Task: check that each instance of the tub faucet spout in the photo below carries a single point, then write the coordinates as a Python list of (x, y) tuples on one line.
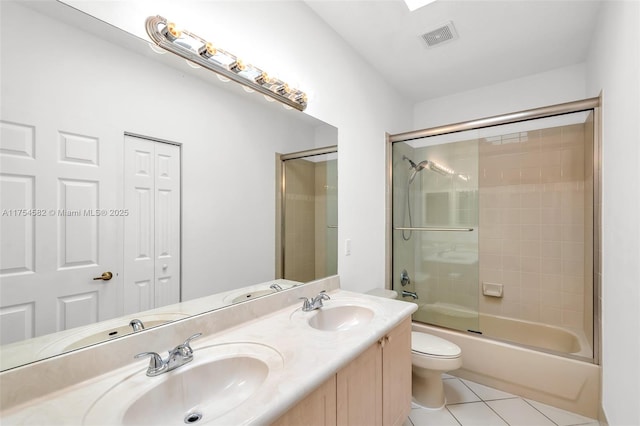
[(412, 294)]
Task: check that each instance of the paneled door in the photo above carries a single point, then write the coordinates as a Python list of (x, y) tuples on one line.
[(152, 227), (61, 224)]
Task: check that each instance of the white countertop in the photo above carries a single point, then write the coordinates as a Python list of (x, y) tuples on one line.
[(304, 358)]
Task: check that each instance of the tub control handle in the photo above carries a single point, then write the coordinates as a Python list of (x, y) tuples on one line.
[(404, 278)]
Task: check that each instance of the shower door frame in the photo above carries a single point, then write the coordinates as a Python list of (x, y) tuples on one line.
[(589, 104)]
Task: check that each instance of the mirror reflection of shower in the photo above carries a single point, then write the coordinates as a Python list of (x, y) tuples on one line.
[(415, 169)]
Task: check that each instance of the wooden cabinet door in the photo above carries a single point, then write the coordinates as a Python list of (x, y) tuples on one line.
[(373, 390), (359, 390), (317, 409), (396, 374)]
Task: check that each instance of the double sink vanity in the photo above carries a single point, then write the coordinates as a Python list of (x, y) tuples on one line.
[(335, 358)]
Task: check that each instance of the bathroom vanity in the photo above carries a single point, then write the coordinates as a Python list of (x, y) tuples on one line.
[(373, 389), (265, 361)]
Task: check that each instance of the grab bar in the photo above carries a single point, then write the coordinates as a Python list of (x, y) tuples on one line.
[(433, 228)]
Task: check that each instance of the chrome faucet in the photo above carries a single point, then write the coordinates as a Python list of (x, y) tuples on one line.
[(315, 303), (178, 356), (276, 287), (137, 325), (413, 294)]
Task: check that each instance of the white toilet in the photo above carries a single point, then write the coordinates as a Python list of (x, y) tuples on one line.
[(430, 357)]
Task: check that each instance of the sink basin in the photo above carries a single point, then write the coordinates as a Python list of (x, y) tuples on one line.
[(251, 295), (340, 318), (259, 290), (109, 334), (102, 332), (218, 380), (207, 391)]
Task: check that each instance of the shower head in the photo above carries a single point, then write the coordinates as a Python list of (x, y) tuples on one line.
[(416, 167), (422, 165), (404, 157)]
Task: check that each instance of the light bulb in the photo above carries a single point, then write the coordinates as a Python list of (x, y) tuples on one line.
[(207, 50), (263, 78), (298, 96), (237, 66), (171, 32), (282, 89)]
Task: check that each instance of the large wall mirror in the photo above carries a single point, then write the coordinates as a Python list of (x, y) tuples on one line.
[(133, 185)]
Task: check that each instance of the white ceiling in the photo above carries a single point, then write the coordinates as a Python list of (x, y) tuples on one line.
[(498, 40)]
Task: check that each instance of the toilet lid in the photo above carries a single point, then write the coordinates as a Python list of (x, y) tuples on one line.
[(434, 346)]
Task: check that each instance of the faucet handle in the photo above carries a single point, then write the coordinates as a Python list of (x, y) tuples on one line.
[(323, 295), (185, 348), (306, 305), (155, 362), (195, 336), (317, 301)]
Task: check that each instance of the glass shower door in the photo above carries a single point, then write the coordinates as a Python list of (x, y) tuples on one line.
[(309, 221), (435, 230)]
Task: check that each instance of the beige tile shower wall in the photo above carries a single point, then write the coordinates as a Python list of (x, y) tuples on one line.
[(299, 237), (532, 224)]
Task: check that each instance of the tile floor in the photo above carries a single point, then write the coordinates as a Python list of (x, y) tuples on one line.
[(473, 404)]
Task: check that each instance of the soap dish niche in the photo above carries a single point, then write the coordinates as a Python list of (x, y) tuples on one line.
[(492, 289)]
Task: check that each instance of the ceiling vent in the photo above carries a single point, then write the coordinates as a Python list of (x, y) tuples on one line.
[(440, 35)]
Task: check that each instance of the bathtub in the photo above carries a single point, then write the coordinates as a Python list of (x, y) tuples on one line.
[(559, 381), (534, 335)]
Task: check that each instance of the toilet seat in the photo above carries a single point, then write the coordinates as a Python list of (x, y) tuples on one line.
[(433, 346)]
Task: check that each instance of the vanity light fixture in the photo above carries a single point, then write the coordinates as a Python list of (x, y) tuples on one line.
[(228, 67)]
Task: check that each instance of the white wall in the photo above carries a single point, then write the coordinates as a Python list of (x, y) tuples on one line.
[(614, 69), (553, 87), (288, 40)]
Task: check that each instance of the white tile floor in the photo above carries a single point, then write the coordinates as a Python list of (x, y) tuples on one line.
[(473, 404)]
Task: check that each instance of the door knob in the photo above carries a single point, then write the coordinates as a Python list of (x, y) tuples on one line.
[(106, 276)]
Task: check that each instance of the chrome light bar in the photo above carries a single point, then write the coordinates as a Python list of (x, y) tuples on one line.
[(201, 52)]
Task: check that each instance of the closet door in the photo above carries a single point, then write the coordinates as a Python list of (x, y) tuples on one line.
[(152, 227)]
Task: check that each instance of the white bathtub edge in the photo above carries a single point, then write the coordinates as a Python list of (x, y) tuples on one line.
[(557, 381)]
